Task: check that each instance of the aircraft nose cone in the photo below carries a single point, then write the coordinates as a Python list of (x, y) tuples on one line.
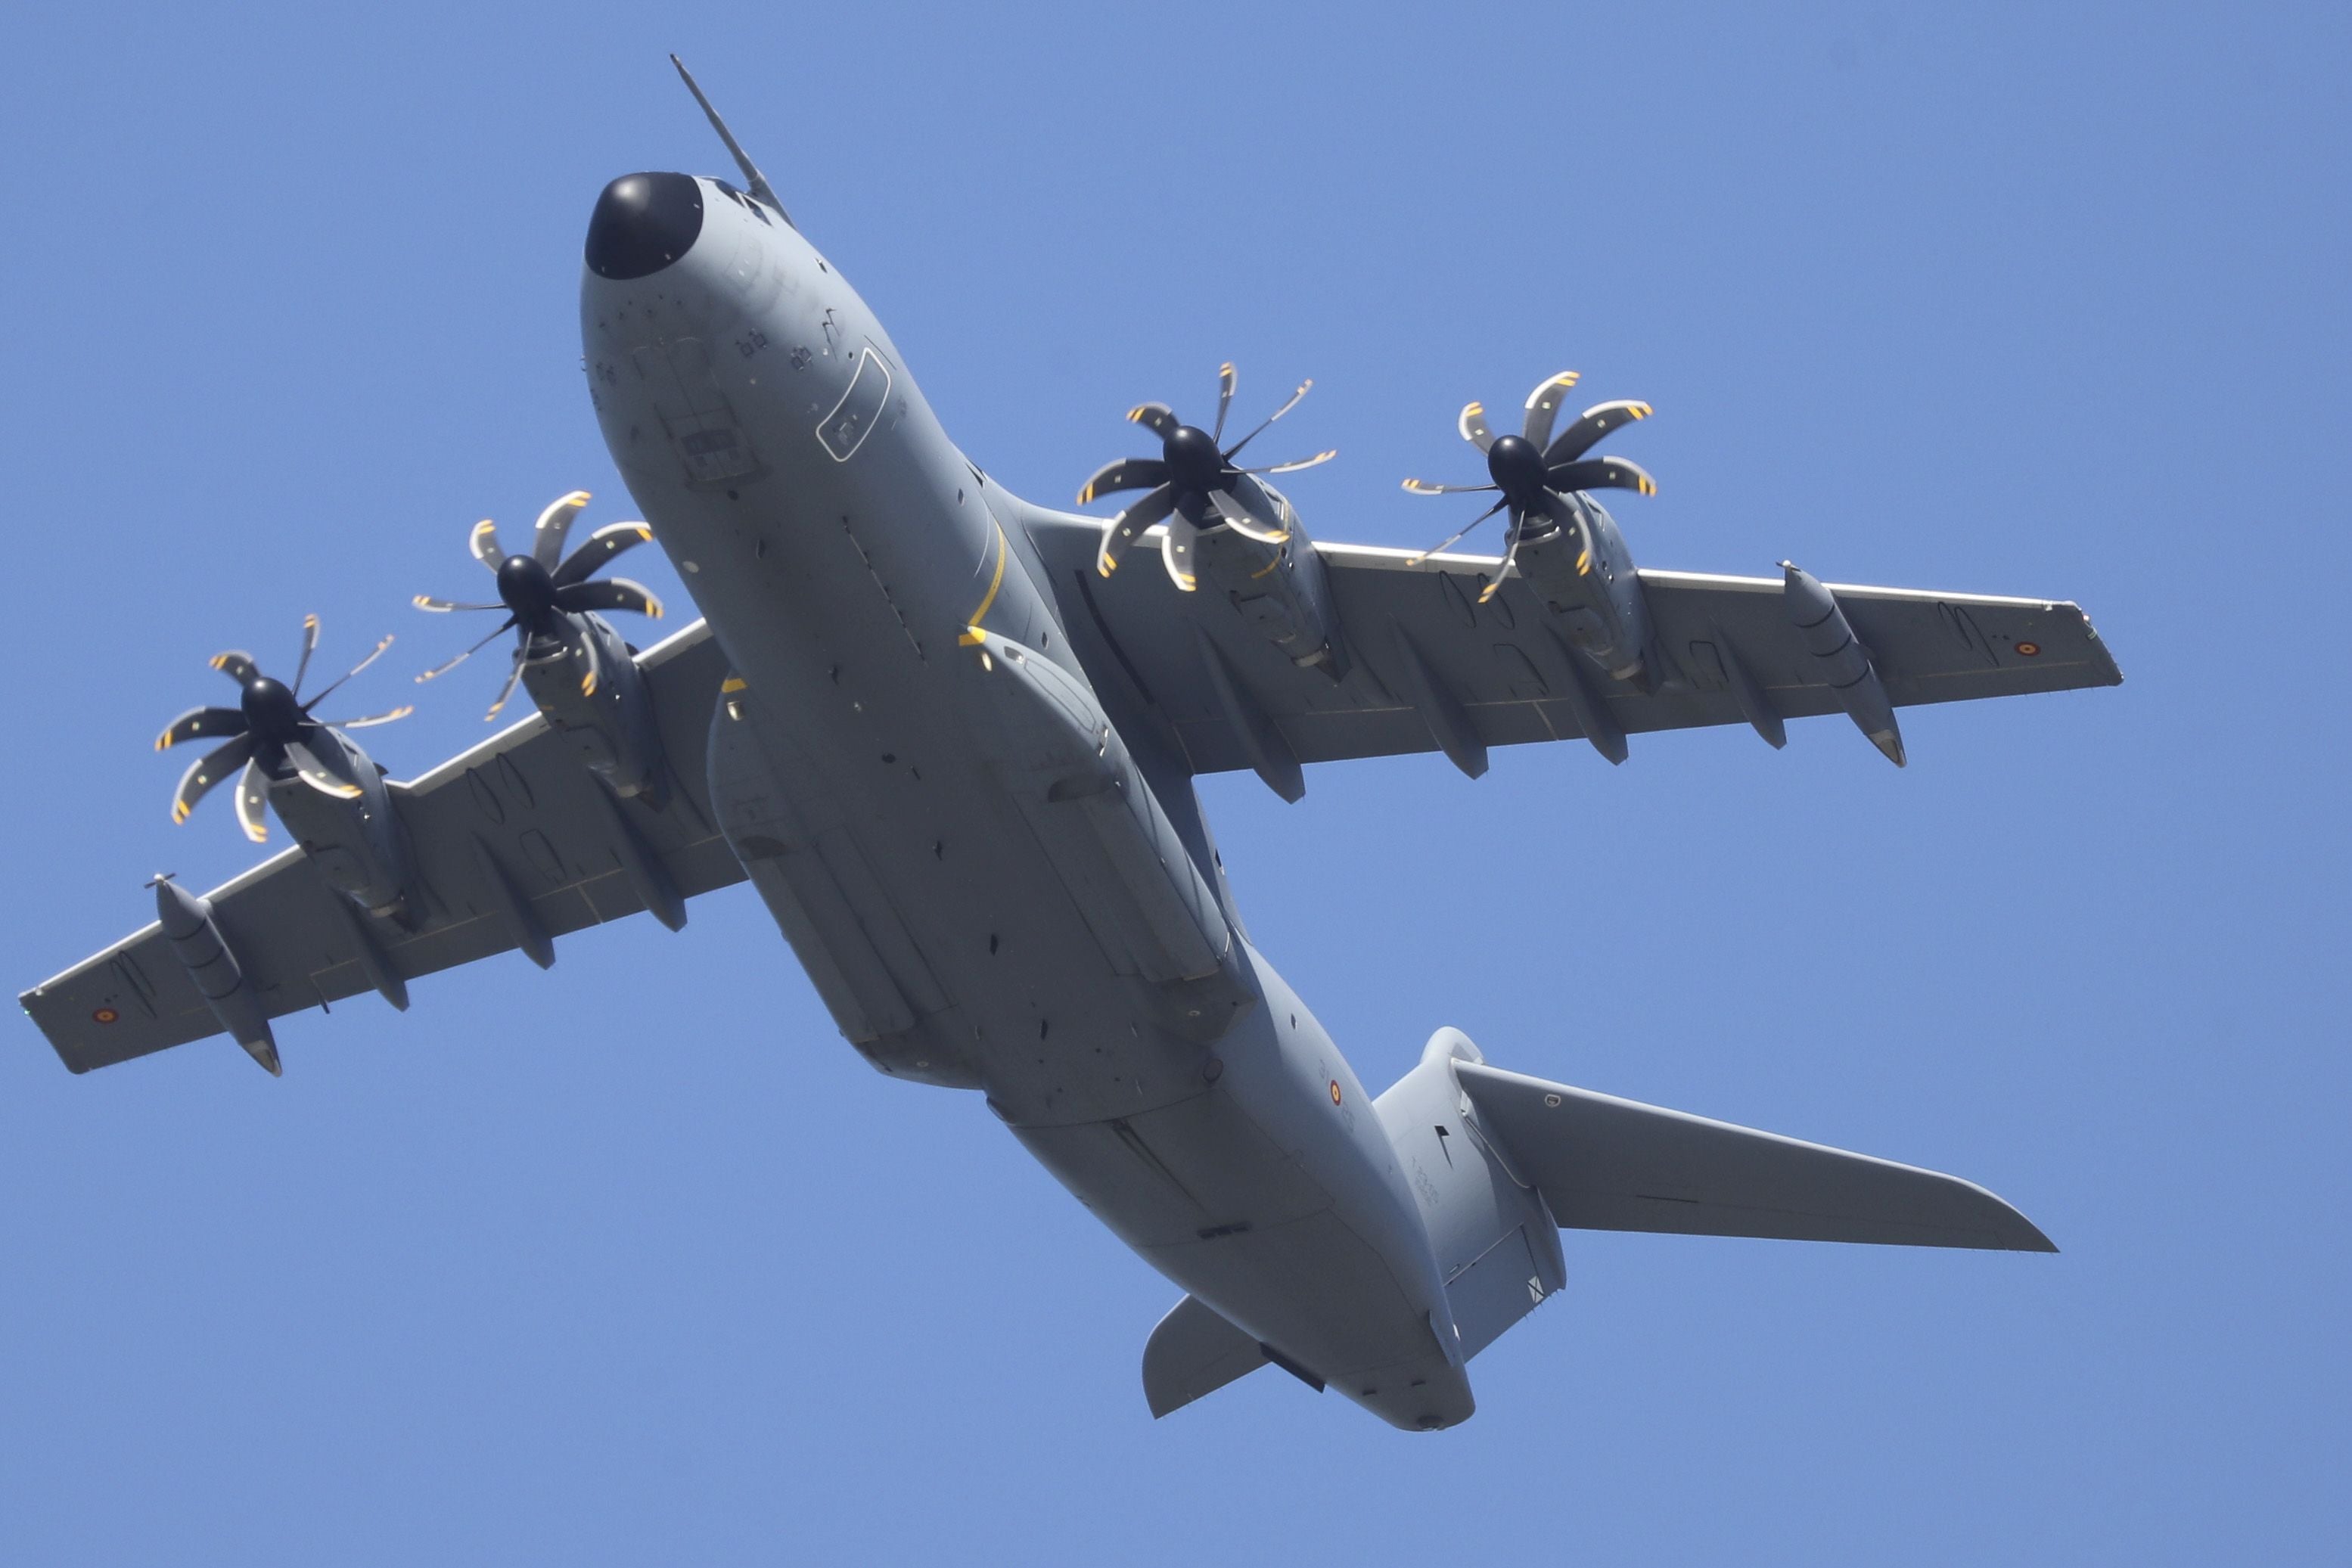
[(642, 223)]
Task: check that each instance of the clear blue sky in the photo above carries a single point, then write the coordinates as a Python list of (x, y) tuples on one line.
[(637, 1261)]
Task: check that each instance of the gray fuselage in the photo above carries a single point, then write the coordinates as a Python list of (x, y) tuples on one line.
[(955, 878)]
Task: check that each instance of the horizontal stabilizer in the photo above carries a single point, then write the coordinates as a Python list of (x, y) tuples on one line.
[(1195, 1352), (1606, 1164)]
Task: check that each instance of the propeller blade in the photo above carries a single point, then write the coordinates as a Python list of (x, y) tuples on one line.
[(252, 795), (1457, 535), (1473, 425), (1590, 426), (206, 771), (239, 667), (402, 711), (199, 722), (309, 646), (1226, 381), (483, 542), (547, 534), (1510, 562), (1127, 474), (508, 690), (1128, 526), (1270, 418), (1297, 463), (1600, 474), (1423, 487), (1238, 518), (504, 626), (608, 593), (444, 606), (317, 774), (595, 670), (1155, 417), (347, 674), (1544, 402), (1176, 551), (606, 543)]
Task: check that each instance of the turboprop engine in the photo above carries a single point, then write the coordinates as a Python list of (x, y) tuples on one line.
[(580, 672), (1562, 540), (1227, 527), (327, 790)]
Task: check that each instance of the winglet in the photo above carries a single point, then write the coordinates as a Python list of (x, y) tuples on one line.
[(761, 189)]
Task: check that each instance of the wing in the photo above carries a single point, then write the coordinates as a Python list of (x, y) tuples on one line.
[(1606, 1164), (572, 853), (1430, 668)]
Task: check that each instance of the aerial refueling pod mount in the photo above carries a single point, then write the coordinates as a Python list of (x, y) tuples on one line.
[(196, 941), (1844, 664)]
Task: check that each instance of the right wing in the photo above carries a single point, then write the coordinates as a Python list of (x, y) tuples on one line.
[(1606, 1164), (570, 851)]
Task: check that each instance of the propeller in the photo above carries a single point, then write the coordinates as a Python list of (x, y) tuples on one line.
[(539, 589), (1189, 485), (268, 734), (1534, 471)]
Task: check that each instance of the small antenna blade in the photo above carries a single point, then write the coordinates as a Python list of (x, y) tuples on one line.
[(757, 181)]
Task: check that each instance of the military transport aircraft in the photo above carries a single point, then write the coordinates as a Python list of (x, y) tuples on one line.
[(950, 736)]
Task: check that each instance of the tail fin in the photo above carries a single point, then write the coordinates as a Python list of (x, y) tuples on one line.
[(1497, 1247)]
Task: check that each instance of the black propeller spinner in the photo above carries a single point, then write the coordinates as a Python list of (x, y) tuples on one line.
[(1535, 472), (269, 732), (1191, 484), (541, 591)]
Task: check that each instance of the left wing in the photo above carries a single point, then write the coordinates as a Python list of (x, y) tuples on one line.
[(514, 843), (1434, 669)]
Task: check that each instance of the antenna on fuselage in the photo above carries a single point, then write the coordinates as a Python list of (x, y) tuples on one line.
[(761, 189)]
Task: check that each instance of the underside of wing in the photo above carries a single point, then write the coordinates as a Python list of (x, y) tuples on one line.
[(514, 843), (1431, 660)]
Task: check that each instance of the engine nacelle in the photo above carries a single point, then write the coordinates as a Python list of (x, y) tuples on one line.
[(588, 685), (1582, 571), (357, 843), (1282, 590)]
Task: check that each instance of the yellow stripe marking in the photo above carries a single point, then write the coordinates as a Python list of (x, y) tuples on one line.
[(971, 638), (731, 684)]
